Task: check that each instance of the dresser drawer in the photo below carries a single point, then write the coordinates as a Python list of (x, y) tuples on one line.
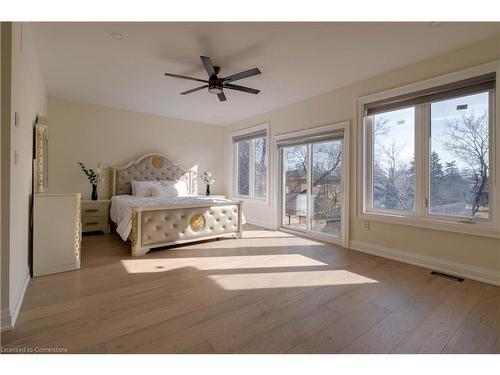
[(90, 224), (97, 209)]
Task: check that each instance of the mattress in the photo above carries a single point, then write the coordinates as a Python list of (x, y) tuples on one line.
[(121, 208)]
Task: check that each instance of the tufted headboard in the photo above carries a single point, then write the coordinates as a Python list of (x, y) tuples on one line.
[(150, 167)]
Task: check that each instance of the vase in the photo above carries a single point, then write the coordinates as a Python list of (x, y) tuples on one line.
[(94, 193), (208, 190)]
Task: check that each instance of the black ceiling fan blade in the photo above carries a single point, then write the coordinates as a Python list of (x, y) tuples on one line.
[(208, 65), (241, 75), (222, 97), (194, 90), (185, 77), (241, 88)]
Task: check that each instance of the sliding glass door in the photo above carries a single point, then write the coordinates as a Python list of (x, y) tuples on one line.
[(311, 187), (326, 187)]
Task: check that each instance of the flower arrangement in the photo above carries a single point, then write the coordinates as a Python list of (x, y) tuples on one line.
[(206, 177), (94, 176)]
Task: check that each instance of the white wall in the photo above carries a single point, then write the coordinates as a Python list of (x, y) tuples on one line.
[(4, 253), (91, 133), (28, 99), (479, 253)]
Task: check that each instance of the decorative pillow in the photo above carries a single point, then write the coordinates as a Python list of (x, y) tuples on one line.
[(143, 188), (180, 186), (164, 191)]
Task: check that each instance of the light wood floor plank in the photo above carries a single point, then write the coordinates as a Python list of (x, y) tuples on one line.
[(472, 338), (433, 334), (334, 337), (386, 335), (383, 337), (480, 329), (496, 348)]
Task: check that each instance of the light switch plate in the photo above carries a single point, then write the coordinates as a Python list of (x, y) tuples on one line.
[(16, 157), (17, 119)]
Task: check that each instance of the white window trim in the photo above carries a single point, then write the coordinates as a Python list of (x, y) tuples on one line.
[(345, 126), (419, 218), (234, 164)]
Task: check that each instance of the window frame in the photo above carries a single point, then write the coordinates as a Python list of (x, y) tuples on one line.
[(234, 165), (421, 215)]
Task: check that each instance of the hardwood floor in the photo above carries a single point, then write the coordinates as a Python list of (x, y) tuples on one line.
[(269, 292)]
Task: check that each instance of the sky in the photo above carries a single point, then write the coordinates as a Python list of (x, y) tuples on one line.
[(402, 125)]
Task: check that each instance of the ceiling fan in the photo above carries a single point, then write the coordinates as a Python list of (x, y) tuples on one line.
[(217, 85)]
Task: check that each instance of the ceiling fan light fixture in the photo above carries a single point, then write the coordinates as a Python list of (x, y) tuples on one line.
[(215, 90)]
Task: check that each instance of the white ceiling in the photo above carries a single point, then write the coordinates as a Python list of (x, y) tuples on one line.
[(80, 61)]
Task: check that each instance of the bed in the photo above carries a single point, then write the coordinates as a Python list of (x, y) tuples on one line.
[(151, 222)]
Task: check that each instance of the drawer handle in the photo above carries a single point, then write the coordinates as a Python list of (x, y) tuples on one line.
[(93, 223), (91, 210)]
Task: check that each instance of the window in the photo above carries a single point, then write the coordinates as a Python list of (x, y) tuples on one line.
[(260, 145), (393, 160), (459, 156), (250, 170), (428, 154), (244, 167)]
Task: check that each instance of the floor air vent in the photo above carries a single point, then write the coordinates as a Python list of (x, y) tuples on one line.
[(446, 276)]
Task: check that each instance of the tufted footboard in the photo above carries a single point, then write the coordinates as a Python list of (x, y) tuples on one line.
[(157, 226)]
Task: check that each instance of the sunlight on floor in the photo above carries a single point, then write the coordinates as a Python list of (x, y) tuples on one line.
[(289, 279), (222, 262)]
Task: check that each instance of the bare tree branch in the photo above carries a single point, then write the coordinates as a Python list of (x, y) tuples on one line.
[(468, 140)]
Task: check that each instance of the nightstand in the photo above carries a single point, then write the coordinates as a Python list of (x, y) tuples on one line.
[(215, 196), (95, 216)]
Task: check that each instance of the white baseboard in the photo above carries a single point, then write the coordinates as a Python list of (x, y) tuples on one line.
[(436, 264), (6, 322), (19, 299), (9, 316), (259, 223)]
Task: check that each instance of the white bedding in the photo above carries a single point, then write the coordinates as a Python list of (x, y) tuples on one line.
[(121, 208)]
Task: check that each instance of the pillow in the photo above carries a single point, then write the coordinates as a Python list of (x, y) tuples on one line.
[(143, 188), (180, 186), (164, 191), (167, 182)]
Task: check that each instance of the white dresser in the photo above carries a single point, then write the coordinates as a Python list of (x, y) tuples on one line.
[(56, 233)]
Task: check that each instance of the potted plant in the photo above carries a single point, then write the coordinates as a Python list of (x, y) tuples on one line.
[(206, 177), (94, 176)]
